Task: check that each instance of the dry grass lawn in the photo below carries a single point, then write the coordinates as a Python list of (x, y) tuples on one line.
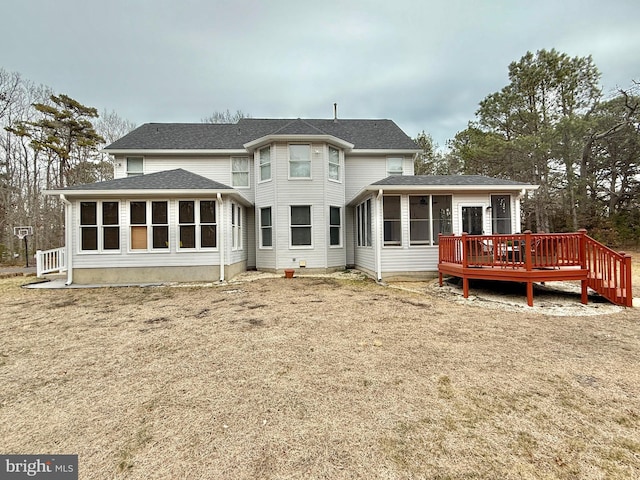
[(315, 378)]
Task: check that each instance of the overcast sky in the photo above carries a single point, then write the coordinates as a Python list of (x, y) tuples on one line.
[(424, 64)]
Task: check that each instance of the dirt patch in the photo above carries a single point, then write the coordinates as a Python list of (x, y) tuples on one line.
[(316, 378)]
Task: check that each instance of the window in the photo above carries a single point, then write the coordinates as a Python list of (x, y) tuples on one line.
[(266, 227), (88, 226), (334, 163), (419, 220), (197, 224), (301, 225), (240, 171), (394, 166), (236, 227), (91, 224), (208, 234), (392, 224), (300, 161), (134, 166), (265, 163), (335, 223), (501, 214), (442, 220), (110, 228), (159, 225), (187, 223), (363, 221)]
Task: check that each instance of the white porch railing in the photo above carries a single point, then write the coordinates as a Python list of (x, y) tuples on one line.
[(48, 261)]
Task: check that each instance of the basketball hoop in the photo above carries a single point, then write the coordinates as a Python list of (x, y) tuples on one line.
[(22, 232)]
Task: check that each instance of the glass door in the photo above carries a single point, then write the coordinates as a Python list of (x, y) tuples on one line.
[(472, 220)]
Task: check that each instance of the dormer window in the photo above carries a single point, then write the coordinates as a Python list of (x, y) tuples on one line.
[(394, 165)]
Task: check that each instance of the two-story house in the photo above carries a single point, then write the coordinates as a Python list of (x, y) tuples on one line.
[(204, 202)]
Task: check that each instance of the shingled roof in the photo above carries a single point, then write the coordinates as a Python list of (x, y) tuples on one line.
[(177, 179), (363, 134), (458, 180)]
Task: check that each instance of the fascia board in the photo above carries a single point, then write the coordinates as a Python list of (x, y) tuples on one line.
[(142, 152), (196, 193), (298, 138), (383, 151)]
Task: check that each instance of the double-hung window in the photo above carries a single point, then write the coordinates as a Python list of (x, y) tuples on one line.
[(394, 165), (140, 227), (334, 164), (363, 222), (501, 214), (197, 224), (299, 161), (264, 156), (335, 226), (266, 227), (300, 225), (392, 220), (134, 166), (240, 171), (419, 220)]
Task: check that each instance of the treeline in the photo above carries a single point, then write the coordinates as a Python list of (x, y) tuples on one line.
[(47, 141), (552, 126)]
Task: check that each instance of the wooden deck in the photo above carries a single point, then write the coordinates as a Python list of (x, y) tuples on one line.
[(530, 258)]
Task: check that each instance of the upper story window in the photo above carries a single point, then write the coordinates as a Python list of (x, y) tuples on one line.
[(240, 171), (334, 164), (394, 165), (299, 161), (265, 163), (134, 166)]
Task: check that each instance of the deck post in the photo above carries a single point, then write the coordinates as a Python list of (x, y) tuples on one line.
[(465, 259), (583, 248), (465, 286), (527, 254), (584, 297), (530, 292)]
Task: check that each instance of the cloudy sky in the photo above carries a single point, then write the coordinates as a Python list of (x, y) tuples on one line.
[(424, 64)]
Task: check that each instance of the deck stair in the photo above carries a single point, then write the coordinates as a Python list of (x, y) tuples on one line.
[(540, 257)]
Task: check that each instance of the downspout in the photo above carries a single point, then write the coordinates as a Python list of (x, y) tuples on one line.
[(379, 237), (222, 234), (67, 238)]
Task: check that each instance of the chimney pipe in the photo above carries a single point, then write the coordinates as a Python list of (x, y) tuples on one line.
[(335, 112)]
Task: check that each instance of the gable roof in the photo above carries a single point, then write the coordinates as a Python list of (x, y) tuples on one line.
[(363, 134)]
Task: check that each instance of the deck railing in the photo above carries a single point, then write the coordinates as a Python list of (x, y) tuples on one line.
[(49, 261), (609, 272)]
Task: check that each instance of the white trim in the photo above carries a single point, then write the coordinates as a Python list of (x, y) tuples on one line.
[(384, 151), (177, 151), (250, 146)]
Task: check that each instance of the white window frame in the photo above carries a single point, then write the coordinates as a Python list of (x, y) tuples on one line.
[(100, 227), (266, 227), (197, 224), (235, 173), (334, 226), (363, 224), (309, 226), (133, 173), (262, 165), (236, 226), (495, 219), (308, 145), (395, 170), (392, 243), (149, 225), (334, 164), (427, 221)]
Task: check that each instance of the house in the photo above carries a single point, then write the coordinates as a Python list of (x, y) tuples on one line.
[(204, 202)]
